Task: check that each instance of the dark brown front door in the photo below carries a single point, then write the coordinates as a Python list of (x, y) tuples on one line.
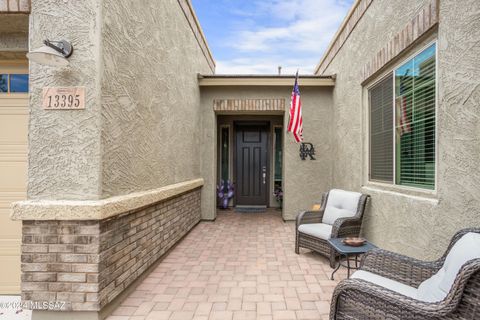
[(251, 164)]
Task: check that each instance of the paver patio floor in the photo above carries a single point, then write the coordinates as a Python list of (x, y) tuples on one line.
[(242, 266)]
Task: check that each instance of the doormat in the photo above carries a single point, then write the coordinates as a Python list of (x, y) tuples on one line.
[(250, 209)]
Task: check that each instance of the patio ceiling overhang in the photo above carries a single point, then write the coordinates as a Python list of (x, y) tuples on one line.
[(265, 80)]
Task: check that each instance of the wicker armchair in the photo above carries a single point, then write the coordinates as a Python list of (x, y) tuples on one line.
[(330, 227), (359, 299)]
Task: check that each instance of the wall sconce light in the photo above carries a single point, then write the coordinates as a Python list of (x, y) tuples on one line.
[(52, 53)]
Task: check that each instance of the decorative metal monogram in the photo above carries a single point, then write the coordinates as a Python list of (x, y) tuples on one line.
[(307, 149)]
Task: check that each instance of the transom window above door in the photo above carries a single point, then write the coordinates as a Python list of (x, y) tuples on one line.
[(402, 114)]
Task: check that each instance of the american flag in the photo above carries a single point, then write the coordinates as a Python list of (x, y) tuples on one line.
[(295, 124), (404, 121)]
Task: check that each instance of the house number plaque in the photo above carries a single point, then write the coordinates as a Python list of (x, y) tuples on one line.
[(64, 98)]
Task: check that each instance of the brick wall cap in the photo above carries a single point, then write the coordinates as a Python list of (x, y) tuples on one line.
[(97, 209)]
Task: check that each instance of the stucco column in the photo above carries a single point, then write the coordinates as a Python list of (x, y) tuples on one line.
[(64, 163), (64, 145)]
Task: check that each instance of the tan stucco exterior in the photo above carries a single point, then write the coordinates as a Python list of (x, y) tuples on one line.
[(149, 130), (142, 100), (410, 221), (150, 97), (64, 147)]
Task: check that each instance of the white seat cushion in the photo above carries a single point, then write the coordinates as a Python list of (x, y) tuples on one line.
[(438, 286), (340, 204), (319, 230), (386, 283)]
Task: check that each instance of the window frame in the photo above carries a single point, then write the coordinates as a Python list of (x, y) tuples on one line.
[(391, 72), (274, 150)]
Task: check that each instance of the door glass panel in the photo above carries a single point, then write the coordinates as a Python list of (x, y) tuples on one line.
[(277, 182), (278, 154), (224, 153)]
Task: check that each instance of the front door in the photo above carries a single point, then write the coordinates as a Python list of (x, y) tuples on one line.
[(251, 164)]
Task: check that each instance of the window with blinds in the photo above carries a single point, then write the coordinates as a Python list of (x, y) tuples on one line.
[(402, 124), (415, 121), (381, 131)]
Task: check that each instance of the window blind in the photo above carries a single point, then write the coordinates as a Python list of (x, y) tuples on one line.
[(415, 93), (381, 131)]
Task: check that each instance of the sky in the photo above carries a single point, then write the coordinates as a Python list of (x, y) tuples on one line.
[(257, 36)]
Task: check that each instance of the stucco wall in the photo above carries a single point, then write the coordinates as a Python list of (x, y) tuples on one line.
[(64, 146), (150, 96), (415, 223), (304, 181), (140, 128)]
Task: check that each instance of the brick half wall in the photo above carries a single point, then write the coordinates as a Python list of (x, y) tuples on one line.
[(89, 263)]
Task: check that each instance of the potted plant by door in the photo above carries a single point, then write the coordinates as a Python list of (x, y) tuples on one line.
[(278, 193), (225, 193)]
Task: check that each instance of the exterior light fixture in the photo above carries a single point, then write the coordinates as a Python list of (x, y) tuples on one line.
[(52, 53)]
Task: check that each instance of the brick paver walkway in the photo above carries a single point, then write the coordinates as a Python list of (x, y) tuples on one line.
[(242, 266)]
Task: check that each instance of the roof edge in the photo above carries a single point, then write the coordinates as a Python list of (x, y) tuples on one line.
[(356, 12), (197, 30), (269, 76)]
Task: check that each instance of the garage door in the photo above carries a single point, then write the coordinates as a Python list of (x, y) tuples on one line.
[(13, 167)]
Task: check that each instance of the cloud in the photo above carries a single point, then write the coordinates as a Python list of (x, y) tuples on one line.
[(292, 33)]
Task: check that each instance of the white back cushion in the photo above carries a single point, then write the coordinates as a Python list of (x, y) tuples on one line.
[(438, 286), (340, 204)]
